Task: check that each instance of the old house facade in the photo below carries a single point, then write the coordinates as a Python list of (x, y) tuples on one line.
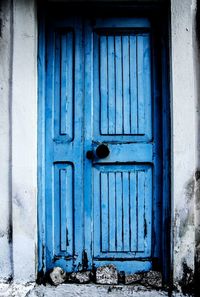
[(99, 138)]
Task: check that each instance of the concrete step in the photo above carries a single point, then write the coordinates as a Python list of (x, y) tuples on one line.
[(92, 290)]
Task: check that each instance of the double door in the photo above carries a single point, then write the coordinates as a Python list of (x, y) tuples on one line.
[(102, 145)]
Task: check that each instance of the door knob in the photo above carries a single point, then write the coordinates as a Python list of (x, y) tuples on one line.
[(90, 155), (102, 151)]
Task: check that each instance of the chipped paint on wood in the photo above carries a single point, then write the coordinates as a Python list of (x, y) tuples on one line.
[(109, 204)]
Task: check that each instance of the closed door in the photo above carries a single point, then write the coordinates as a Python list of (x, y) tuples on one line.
[(102, 145)]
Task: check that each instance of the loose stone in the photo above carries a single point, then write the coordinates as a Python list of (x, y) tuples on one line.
[(132, 278), (57, 276), (80, 277), (152, 278), (107, 275)]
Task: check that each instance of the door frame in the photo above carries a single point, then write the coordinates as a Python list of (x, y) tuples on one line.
[(147, 10)]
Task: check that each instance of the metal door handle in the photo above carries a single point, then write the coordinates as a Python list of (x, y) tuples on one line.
[(90, 155), (102, 151)]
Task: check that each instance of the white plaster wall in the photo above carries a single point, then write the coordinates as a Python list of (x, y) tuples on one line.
[(196, 38), (24, 140), (5, 100), (183, 135)]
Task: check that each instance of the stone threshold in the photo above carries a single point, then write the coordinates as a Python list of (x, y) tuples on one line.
[(104, 275), (80, 290)]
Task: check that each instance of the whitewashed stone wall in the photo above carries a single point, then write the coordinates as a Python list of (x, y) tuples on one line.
[(184, 146), (18, 141), (5, 141), (24, 140)]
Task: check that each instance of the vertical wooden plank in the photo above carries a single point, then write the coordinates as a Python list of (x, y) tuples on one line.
[(126, 82), (91, 106), (63, 199), (159, 121), (96, 105), (147, 85), (133, 215), (69, 209), (141, 221), (57, 87), (119, 210), (111, 85), (133, 84), (97, 212), (126, 225), (104, 84), (148, 209), (63, 79), (56, 213), (136, 209), (140, 74), (118, 63), (69, 83), (104, 210), (49, 190), (112, 212), (78, 143)]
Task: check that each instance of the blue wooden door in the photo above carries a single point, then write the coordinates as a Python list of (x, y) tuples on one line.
[(102, 145)]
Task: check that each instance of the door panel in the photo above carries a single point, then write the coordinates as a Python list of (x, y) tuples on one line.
[(122, 211), (99, 79), (63, 208), (124, 85), (64, 144), (123, 182), (64, 86)]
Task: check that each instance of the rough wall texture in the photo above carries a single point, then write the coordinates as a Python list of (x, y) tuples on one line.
[(5, 140), (18, 140), (24, 140), (196, 38), (183, 141)]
